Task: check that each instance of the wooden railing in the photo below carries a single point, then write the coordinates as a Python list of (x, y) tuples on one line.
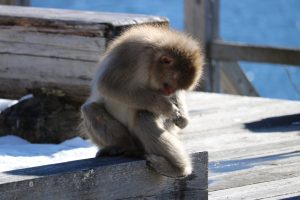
[(223, 73)]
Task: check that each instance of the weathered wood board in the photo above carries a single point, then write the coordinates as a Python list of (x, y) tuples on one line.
[(278, 55), (56, 50), (106, 178), (253, 145)]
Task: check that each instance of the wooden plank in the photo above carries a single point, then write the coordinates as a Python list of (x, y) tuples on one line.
[(23, 35), (254, 53), (248, 171), (107, 178), (71, 18), (55, 50), (285, 187), (223, 119), (263, 149), (70, 77), (233, 112)]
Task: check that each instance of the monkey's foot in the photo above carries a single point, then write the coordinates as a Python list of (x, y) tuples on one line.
[(165, 168)]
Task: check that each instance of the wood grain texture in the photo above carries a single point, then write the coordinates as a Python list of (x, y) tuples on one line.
[(106, 178), (56, 49), (253, 144), (59, 17), (278, 189)]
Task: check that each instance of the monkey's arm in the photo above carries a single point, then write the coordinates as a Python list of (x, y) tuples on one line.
[(120, 85), (179, 100)]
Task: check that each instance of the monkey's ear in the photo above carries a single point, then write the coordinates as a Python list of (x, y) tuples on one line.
[(166, 60)]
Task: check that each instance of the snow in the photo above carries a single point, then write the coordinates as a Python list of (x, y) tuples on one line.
[(4, 103), (17, 153)]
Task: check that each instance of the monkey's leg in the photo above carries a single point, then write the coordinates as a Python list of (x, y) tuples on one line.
[(165, 153), (107, 132)]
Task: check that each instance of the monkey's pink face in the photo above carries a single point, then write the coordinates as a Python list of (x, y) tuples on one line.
[(172, 75)]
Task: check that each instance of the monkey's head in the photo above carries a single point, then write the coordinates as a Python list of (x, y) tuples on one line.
[(175, 60), (177, 68)]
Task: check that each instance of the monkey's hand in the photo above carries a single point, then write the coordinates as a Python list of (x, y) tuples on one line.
[(181, 121), (162, 106), (165, 107), (177, 117)]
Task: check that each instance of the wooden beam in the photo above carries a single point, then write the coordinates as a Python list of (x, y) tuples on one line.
[(232, 51), (234, 81), (106, 178)]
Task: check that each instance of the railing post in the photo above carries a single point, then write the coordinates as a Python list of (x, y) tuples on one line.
[(202, 22), (15, 2)]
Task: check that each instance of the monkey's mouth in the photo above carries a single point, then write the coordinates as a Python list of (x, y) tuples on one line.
[(167, 89)]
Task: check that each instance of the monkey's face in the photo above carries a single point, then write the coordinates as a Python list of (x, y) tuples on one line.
[(172, 73)]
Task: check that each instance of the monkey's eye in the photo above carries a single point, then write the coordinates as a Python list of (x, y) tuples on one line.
[(167, 60)]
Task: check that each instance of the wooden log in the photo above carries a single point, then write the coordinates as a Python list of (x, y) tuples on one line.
[(105, 178)]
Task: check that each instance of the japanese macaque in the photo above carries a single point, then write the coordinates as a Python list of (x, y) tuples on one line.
[(137, 104)]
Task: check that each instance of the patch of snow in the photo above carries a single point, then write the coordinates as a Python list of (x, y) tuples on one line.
[(5, 103), (17, 153)]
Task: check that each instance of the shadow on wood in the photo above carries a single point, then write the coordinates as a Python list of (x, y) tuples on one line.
[(284, 123)]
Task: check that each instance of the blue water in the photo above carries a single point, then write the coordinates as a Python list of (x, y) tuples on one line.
[(269, 22)]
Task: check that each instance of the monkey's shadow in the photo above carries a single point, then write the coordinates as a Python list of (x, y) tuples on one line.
[(285, 123)]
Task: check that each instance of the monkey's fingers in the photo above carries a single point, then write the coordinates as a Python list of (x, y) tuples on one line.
[(181, 122)]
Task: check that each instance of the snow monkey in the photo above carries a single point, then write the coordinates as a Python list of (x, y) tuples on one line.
[(137, 105)]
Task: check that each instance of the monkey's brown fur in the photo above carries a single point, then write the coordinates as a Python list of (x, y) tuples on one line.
[(137, 101)]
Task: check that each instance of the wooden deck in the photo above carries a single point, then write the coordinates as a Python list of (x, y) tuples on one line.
[(254, 153), (253, 145)]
